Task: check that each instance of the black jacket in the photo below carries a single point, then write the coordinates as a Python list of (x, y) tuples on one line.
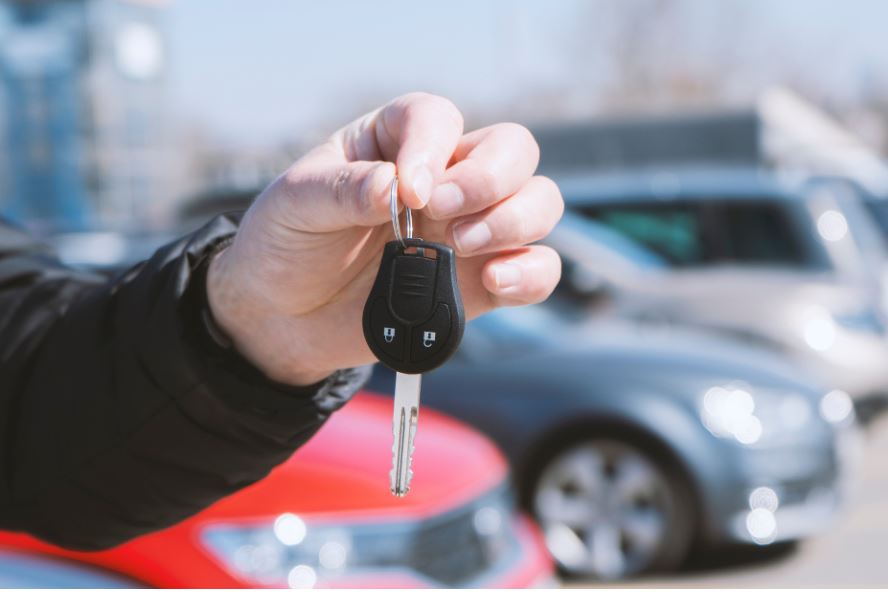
[(118, 414)]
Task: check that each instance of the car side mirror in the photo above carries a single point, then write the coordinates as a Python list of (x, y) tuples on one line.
[(584, 282)]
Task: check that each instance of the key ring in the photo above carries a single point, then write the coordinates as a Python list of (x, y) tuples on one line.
[(396, 221)]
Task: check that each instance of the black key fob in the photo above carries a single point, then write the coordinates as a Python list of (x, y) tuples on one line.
[(414, 317)]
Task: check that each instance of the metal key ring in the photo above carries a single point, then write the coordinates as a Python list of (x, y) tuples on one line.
[(396, 221)]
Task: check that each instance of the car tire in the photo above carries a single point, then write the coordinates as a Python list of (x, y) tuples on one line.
[(612, 508)]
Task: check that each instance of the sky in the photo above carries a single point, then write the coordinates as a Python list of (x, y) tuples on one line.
[(258, 73), (260, 68)]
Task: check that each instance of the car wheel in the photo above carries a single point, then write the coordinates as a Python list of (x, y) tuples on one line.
[(609, 510)]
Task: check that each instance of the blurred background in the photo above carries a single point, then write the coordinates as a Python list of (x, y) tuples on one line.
[(715, 416)]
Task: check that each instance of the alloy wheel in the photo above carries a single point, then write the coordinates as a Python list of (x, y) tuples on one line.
[(605, 509)]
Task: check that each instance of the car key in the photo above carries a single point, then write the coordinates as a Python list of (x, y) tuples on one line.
[(413, 322)]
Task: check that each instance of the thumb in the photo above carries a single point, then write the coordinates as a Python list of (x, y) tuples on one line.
[(335, 197)]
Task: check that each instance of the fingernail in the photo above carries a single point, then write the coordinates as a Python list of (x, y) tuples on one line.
[(422, 184), (447, 200), (506, 276), (471, 237)]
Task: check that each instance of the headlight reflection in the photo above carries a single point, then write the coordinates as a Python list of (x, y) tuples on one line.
[(730, 412), (749, 415)]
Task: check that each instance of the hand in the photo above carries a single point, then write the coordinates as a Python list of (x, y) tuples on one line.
[(290, 289)]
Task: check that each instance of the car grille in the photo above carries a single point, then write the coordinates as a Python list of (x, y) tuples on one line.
[(450, 552), (455, 549)]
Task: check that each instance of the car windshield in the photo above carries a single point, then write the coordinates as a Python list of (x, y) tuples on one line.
[(710, 232)]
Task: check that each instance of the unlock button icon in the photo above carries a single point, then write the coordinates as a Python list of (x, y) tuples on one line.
[(430, 338)]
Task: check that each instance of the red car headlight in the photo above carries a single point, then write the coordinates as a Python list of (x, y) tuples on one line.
[(449, 549)]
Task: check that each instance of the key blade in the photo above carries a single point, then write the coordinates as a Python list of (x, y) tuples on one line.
[(407, 386), (404, 422), (402, 452)]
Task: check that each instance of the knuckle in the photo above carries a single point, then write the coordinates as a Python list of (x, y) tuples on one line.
[(520, 136), (519, 133), (415, 97), (551, 196), (487, 184), (442, 107), (535, 231), (291, 179), (523, 227), (374, 190), (339, 186), (535, 214), (548, 187), (431, 211), (482, 186)]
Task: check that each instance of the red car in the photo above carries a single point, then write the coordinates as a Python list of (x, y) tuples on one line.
[(326, 518)]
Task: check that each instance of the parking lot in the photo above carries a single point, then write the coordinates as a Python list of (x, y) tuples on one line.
[(850, 555), (631, 257)]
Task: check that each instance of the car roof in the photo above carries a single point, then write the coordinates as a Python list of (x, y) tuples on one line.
[(679, 183)]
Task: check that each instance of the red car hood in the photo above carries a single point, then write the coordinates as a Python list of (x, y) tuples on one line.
[(344, 469)]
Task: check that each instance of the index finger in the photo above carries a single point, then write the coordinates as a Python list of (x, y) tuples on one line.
[(420, 133)]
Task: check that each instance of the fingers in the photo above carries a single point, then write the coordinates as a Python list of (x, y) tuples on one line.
[(523, 218), (520, 277), (420, 132), (524, 277), (491, 163)]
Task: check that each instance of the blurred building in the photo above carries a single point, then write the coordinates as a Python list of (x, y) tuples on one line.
[(83, 126), (780, 130)]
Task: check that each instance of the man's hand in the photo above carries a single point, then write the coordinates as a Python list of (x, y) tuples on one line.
[(290, 290)]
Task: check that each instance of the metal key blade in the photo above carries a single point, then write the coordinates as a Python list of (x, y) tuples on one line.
[(404, 430)]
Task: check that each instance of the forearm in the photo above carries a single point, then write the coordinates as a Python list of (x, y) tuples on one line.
[(121, 421)]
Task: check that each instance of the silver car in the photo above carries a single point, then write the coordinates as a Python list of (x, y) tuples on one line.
[(790, 263), (632, 444)]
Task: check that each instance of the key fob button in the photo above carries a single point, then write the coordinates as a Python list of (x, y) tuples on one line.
[(388, 333), (413, 288), (428, 337)]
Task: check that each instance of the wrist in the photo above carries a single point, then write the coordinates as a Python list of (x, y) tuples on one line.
[(256, 332)]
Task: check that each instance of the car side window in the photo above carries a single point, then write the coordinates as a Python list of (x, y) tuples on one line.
[(672, 231), (757, 233), (711, 231)]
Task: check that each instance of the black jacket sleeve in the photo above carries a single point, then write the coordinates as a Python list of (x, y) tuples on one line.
[(117, 415)]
